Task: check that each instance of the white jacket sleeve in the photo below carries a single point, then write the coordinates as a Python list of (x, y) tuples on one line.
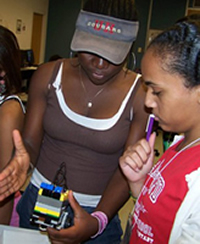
[(190, 233), (186, 228)]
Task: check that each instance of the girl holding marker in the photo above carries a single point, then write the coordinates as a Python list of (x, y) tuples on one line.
[(168, 205)]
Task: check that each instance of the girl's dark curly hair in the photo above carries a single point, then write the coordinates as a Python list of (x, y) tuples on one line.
[(179, 50), (10, 61)]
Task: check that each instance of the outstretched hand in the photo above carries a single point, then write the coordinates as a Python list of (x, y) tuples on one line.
[(137, 160), (84, 226), (13, 176)]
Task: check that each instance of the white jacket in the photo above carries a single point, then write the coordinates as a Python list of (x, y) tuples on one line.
[(186, 227)]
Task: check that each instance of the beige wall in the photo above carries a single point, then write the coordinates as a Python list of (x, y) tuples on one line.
[(12, 10)]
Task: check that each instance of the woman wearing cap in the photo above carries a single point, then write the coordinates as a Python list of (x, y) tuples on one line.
[(84, 112)]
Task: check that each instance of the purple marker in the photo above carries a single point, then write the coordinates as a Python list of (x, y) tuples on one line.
[(149, 126)]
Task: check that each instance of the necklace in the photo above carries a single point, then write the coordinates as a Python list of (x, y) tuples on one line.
[(90, 100), (169, 162), (183, 149)]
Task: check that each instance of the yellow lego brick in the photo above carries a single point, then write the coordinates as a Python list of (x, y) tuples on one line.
[(64, 196), (40, 191), (47, 211)]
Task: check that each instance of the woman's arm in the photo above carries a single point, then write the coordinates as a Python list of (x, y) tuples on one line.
[(14, 174), (11, 117), (36, 106), (118, 187)]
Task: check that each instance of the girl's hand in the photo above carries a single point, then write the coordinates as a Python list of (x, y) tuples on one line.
[(137, 160), (84, 226), (14, 174)]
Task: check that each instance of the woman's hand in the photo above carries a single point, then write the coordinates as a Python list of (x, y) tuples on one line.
[(137, 160), (14, 174), (84, 226)]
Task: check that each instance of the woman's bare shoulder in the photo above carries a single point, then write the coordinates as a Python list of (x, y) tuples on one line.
[(10, 110), (46, 69), (44, 73)]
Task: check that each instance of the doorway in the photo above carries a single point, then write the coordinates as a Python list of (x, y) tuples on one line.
[(36, 36)]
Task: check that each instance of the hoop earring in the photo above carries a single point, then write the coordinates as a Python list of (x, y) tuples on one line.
[(73, 55), (133, 60)]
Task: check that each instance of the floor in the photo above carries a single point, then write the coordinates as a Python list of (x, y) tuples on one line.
[(128, 207)]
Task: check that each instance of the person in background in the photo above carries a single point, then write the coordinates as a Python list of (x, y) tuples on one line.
[(168, 205), (83, 112), (11, 107)]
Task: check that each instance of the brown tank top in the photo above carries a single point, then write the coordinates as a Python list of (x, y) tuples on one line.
[(91, 153)]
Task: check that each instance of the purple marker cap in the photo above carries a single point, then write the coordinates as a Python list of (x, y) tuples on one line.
[(149, 126)]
